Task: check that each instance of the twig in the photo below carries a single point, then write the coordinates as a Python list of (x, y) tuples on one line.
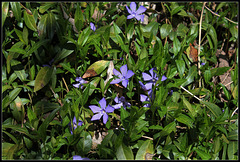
[(59, 101), (191, 93), (199, 42), (65, 84), (220, 15), (147, 137), (234, 111)]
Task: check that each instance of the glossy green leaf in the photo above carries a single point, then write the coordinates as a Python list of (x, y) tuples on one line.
[(213, 108), (5, 8), (85, 143), (124, 152), (16, 8), (189, 107), (181, 67), (166, 130), (30, 21), (37, 45), (42, 78), (203, 155), (96, 68), (8, 150), (51, 22), (232, 149), (121, 20), (45, 6), (93, 85), (63, 54), (185, 120), (233, 135), (191, 74), (165, 29), (207, 76), (182, 30), (145, 150), (219, 71), (78, 17), (42, 26)]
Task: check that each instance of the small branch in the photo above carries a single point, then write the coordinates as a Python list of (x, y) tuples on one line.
[(148, 137), (220, 15), (59, 101), (199, 42), (234, 111), (191, 93), (65, 84)]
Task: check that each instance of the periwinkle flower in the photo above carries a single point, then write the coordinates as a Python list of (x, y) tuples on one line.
[(203, 63), (163, 78), (144, 98), (77, 157), (81, 82), (92, 26), (101, 111), (123, 76), (75, 124), (152, 78), (121, 101), (135, 14)]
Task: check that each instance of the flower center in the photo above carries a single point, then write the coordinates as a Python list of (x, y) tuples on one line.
[(134, 14)]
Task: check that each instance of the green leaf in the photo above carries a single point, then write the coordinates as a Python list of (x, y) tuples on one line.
[(219, 71), (42, 78), (45, 6), (189, 107), (124, 152), (212, 33), (17, 50), (68, 67), (96, 68), (5, 8), (143, 53), (232, 149), (165, 30), (121, 20), (37, 45), (181, 67), (63, 54), (85, 143), (185, 120), (42, 26), (8, 150), (50, 26), (207, 76), (203, 155), (93, 85), (191, 74), (226, 92), (16, 8), (19, 129), (78, 17), (145, 150), (233, 135), (213, 108), (166, 130), (25, 35), (182, 30), (30, 21)]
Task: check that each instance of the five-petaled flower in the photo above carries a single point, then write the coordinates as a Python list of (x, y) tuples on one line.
[(121, 101), (81, 82), (135, 14), (92, 26), (75, 124), (123, 76), (77, 157), (152, 79), (101, 111)]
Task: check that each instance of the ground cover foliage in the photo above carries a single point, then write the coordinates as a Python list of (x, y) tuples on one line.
[(100, 80)]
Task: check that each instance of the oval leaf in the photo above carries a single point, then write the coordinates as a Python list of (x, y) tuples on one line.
[(145, 151), (42, 78), (30, 21), (96, 68)]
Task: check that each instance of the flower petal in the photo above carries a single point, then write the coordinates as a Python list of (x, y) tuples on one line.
[(146, 77), (125, 83), (103, 103), (96, 116), (105, 118), (133, 6), (130, 16), (140, 17), (95, 109), (148, 86), (78, 79), (92, 26), (109, 109), (140, 10), (124, 70), (163, 78), (130, 73), (117, 73), (116, 99), (77, 157), (129, 11), (117, 106), (76, 85), (115, 81), (143, 98), (142, 85)]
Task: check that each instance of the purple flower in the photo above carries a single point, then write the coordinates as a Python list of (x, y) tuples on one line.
[(144, 98), (153, 78), (101, 111), (123, 76), (92, 26), (171, 92), (75, 124), (163, 78), (81, 82), (121, 102), (202, 63), (135, 14), (77, 157)]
